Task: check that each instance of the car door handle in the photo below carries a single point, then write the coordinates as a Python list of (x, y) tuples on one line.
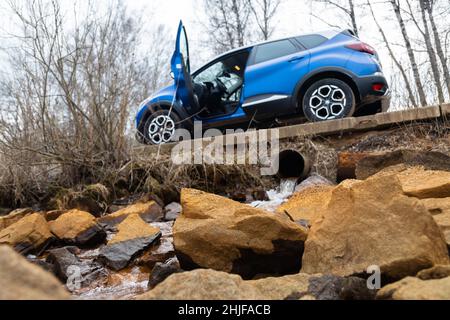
[(296, 58)]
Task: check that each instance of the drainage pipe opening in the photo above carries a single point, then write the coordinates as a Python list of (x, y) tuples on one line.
[(293, 164)]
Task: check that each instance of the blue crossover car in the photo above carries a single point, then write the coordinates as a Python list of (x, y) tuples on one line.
[(321, 76)]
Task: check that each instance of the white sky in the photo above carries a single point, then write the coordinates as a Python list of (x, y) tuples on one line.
[(293, 18)]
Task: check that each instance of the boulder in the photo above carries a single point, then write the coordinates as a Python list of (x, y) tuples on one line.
[(437, 206), (204, 284), (13, 217), (420, 183), (218, 233), (133, 237), (172, 211), (443, 221), (149, 211), (411, 288), (66, 263), (30, 234), (369, 223), (372, 164), (22, 280), (307, 204), (162, 270), (78, 228), (436, 272)]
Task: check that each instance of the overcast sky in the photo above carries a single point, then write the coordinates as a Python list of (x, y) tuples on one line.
[(293, 18)]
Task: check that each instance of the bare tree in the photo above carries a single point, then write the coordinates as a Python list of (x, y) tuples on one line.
[(429, 6), (69, 93), (347, 7), (396, 7), (393, 57), (424, 31), (264, 11), (227, 23)]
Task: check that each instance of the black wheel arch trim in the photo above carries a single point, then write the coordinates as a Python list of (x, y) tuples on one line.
[(300, 87)]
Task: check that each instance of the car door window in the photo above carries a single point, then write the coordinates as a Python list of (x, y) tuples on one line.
[(311, 41), (210, 74), (184, 49), (274, 50), (229, 71)]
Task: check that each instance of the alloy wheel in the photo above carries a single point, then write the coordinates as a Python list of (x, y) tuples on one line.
[(161, 129), (328, 102)]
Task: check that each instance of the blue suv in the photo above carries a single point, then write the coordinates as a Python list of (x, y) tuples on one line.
[(321, 76)]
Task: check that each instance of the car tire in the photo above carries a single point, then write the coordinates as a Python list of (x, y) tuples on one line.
[(328, 99), (159, 127)]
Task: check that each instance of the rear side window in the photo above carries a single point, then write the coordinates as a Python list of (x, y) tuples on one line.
[(311, 40), (274, 50)]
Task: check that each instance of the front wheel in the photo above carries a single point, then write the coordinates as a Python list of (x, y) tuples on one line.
[(160, 126), (328, 99)]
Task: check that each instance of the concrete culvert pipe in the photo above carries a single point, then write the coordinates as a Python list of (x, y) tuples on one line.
[(293, 164)]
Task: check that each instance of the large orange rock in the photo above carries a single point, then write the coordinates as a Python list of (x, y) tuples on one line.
[(22, 280), (420, 183), (222, 234), (307, 204), (78, 228), (372, 222), (411, 288), (207, 284), (30, 234), (13, 217), (149, 211)]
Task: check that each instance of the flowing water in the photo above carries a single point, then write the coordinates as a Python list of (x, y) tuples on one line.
[(134, 280), (119, 285), (127, 283), (277, 196)]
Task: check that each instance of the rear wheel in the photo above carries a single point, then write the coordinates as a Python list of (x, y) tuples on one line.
[(160, 126), (328, 99)]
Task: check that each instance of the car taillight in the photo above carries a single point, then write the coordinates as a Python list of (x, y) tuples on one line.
[(378, 87), (362, 47)]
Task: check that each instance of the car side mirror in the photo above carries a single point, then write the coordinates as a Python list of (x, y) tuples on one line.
[(172, 75)]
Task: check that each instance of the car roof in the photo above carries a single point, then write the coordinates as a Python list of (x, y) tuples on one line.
[(331, 33)]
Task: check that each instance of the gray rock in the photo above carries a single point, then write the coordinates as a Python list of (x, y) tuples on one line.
[(172, 211), (313, 180), (162, 270), (66, 263), (119, 255), (331, 287)]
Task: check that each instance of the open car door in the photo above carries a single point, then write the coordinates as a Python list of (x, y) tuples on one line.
[(181, 71)]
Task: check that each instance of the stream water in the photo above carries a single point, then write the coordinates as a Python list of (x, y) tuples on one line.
[(277, 196), (134, 280)]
